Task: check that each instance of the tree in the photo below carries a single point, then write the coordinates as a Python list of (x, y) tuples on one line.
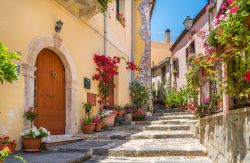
[(8, 69)]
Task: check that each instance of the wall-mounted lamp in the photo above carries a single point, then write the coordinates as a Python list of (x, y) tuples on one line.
[(58, 26), (188, 23)]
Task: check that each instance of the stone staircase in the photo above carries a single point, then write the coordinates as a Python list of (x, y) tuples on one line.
[(165, 138)]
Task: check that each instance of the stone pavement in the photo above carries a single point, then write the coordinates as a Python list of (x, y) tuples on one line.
[(164, 138)]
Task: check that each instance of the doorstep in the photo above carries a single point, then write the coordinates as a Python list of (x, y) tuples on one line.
[(55, 140)]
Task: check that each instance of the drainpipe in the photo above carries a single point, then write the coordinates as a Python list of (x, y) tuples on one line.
[(132, 37), (105, 33)]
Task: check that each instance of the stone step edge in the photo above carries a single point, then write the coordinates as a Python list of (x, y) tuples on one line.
[(156, 153), (141, 137), (112, 159), (52, 143)]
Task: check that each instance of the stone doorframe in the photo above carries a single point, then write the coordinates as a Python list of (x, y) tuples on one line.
[(71, 83)]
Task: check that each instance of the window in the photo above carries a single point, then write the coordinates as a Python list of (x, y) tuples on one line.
[(190, 51), (163, 73), (176, 67)]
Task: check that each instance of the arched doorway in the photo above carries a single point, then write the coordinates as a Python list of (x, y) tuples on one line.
[(50, 92), (71, 80)]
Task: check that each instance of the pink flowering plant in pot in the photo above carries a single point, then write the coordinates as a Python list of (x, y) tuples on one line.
[(99, 123)]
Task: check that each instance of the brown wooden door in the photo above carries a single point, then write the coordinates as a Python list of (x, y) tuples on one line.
[(50, 92)]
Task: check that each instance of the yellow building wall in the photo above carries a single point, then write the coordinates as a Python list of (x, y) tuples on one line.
[(139, 43), (24, 20), (159, 52)]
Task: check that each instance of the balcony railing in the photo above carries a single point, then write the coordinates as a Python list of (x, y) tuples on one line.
[(81, 8)]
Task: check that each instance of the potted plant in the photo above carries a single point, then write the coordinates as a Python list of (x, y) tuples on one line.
[(119, 111), (32, 139), (109, 117), (99, 123), (6, 142), (30, 115), (88, 125), (4, 153), (139, 115), (129, 109)]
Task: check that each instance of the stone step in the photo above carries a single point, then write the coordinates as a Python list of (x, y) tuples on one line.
[(172, 113), (174, 159), (137, 148), (166, 110), (172, 117), (55, 140), (162, 122), (159, 148), (134, 135), (49, 157), (149, 127)]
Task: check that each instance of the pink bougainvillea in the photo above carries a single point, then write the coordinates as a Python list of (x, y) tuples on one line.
[(234, 9), (230, 1)]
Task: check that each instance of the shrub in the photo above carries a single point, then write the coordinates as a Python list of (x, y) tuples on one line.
[(8, 69)]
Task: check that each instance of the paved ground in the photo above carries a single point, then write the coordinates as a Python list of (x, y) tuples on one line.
[(165, 138)]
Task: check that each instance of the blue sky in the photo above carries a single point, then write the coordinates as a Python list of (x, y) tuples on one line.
[(171, 14)]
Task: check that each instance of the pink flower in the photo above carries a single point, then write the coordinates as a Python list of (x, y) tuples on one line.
[(206, 99), (224, 6), (234, 9), (247, 75), (230, 1)]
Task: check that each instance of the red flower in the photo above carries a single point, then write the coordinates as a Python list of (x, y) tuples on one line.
[(234, 9), (230, 1), (247, 75)]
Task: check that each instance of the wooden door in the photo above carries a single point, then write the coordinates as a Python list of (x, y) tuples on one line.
[(50, 92)]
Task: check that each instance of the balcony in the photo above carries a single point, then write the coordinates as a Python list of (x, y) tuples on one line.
[(81, 8)]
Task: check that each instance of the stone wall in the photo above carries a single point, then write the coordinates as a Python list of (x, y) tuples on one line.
[(144, 76), (227, 138)]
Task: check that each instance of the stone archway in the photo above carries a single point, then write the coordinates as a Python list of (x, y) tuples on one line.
[(29, 69)]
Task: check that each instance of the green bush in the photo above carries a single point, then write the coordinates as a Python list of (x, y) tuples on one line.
[(175, 98), (139, 94), (8, 69)]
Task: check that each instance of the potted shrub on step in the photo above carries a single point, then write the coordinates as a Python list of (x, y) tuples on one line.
[(109, 117), (99, 123), (119, 111), (32, 139), (88, 125), (129, 110), (6, 142)]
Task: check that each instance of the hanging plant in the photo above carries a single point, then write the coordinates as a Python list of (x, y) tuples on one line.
[(107, 68), (121, 18), (104, 4)]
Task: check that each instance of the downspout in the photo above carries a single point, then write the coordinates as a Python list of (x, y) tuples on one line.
[(132, 37), (105, 32)]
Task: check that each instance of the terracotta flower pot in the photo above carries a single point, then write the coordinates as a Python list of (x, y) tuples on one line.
[(1, 161), (128, 117), (120, 113), (98, 126), (88, 128), (31, 144), (110, 120), (12, 147)]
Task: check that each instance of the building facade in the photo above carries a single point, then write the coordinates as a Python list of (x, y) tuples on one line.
[(187, 44), (55, 65), (161, 67)]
